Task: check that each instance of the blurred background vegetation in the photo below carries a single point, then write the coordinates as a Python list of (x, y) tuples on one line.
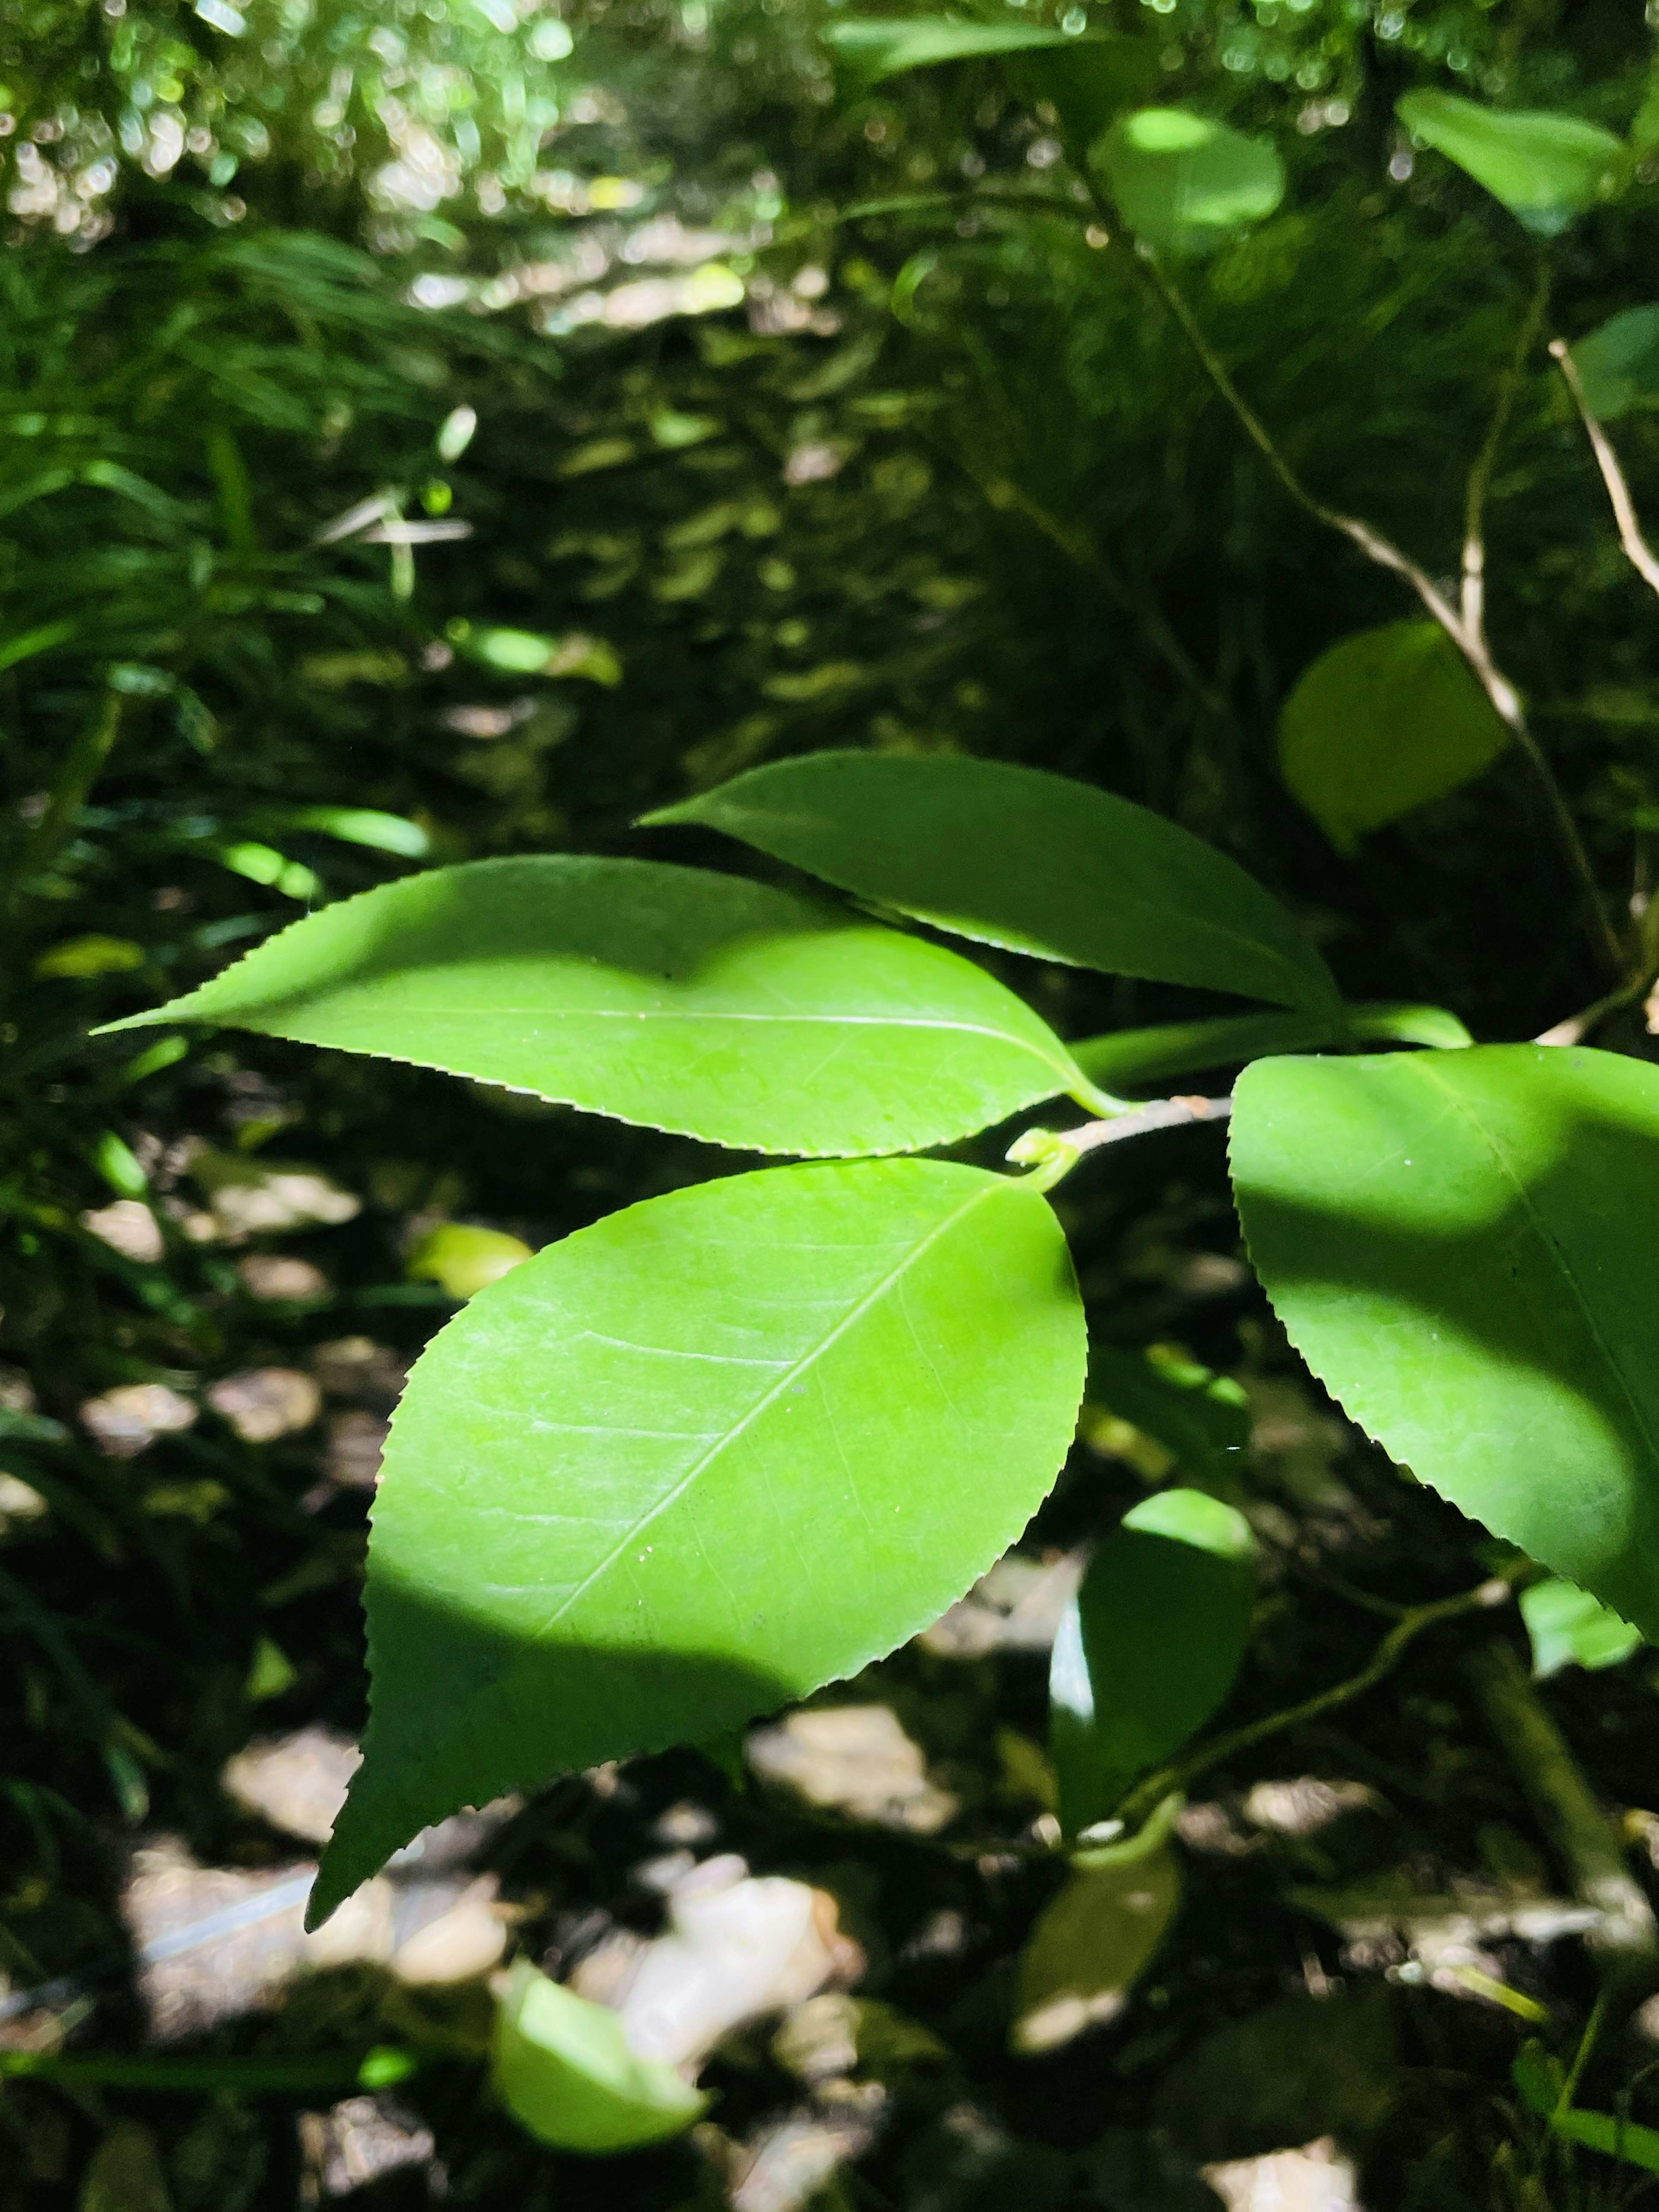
[(432, 431)]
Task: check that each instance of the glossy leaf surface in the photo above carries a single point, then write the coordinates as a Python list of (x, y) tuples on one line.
[(1546, 169), (1617, 363), (692, 1462), (1149, 1646), (1016, 857), (1127, 1061), (1185, 183), (872, 47), (1568, 1627), (687, 1000), (563, 2069), (1384, 722), (1461, 1246)]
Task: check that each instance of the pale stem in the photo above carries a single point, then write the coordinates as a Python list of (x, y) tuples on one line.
[(1636, 549)]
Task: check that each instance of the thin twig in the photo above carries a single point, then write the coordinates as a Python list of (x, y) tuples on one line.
[(1636, 549), (1381, 1663), (1470, 641), (1162, 1113)]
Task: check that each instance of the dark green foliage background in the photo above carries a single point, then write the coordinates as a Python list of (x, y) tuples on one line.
[(1037, 536)]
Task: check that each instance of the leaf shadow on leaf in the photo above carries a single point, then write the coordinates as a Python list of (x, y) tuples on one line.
[(707, 1005), (446, 1660), (1505, 1356)]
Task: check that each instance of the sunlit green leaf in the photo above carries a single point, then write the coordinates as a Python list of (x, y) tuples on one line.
[(82, 956), (1090, 1946), (1127, 1061), (1381, 723), (1461, 1247), (1016, 857), (1617, 363), (463, 1258), (687, 1000), (1185, 183), (1543, 168), (690, 1463), (873, 47), (364, 825), (563, 2069), (1569, 1628), (1149, 1647)]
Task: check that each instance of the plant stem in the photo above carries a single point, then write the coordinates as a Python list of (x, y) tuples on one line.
[(1053, 1153), (1480, 477), (1381, 1663), (1469, 636), (87, 754), (1637, 551), (1625, 1943)]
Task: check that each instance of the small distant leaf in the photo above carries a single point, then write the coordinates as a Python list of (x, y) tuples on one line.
[(364, 825), (686, 1466), (1381, 723), (1089, 1947), (462, 1259), (1149, 1647), (1461, 1247), (1185, 183), (1126, 1060), (1016, 857), (1569, 1628), (528, 653), (685, 1000), (1617, 363), (873, 47), (85, 956), (1543, 168), (565, 2072), (1203, 1420)]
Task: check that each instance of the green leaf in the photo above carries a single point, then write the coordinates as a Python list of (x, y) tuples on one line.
[(1184, 183), (1089, 81), (690, 1001), (1617, 363), (1016, 857), (1090, 1946), (1461, 1247), (687, 1465), (1149, 1647), (1381, 723), (528, 652), (364, 825), (1202, 1419), (1539, 2080), (1127, 1061), (1569, 1628), (873, 47), (563, 2069), (1543, 168), (463, 1258)]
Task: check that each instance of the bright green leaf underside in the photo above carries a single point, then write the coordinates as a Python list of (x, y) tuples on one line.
[(563, 2069), (1461, 1247), (1016, 857), (1545, 168), (691, 1463), (700, 1003), (1381, 723)]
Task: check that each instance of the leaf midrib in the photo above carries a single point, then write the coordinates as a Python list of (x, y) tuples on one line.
[(791, 1374)]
